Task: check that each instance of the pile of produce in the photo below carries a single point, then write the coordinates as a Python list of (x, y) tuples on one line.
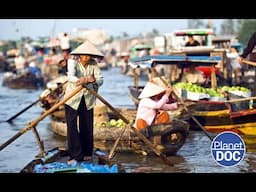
[(115, 123), (196, 92)]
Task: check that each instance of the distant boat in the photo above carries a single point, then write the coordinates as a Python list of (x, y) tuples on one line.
[(23, 81), (103, 65)]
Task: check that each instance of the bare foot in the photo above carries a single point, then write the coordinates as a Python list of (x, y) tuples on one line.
[(71, 161)]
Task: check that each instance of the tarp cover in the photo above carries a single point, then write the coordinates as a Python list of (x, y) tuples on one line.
[(77, 167)]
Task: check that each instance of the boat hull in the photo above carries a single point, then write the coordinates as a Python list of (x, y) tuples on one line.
[(49, 163), (23, 82), (134, 92), (169, 141), (217, 117)]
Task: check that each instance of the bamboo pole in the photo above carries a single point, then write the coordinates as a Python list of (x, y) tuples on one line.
[(140, 135), (35, 102), (41, 117), (241, 99), (185, 107), (249, 62)]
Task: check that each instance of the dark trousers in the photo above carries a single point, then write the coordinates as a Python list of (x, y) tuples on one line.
[(79, 135)]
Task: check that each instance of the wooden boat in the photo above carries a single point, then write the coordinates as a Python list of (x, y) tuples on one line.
[(23, 81), (54, 161), (167, 60), (135, 91), (108, 127), (169, 137), (217, 117)]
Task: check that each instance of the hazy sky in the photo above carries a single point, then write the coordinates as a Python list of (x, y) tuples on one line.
[(13, 29)]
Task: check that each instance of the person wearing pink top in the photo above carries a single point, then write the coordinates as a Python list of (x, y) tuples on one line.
[(153, 106)]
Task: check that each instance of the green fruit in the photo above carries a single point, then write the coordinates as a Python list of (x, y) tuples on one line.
[(112, 122)]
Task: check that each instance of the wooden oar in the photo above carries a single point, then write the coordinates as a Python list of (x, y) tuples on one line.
[(140, 135), (184, 105), (35, 102), (249, 62), (22, 111), (35, 122), (241, 99)]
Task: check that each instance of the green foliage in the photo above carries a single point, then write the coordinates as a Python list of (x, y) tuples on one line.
[(248, 27), (228, 27)]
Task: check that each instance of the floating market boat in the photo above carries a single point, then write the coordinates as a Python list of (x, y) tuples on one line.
[(108, 127), (169, 137), (216, 117), (182, 62), (23, 81)]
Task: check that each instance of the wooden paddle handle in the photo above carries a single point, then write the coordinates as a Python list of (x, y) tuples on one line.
[(241, 99), (35, 122), (184, 105), (140, 135), (249, 62)]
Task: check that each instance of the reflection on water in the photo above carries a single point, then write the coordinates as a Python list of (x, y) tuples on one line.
[(193, 157)]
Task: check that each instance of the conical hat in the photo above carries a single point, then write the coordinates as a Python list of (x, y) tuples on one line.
[(87, 48), (150, 90), (158, 81)]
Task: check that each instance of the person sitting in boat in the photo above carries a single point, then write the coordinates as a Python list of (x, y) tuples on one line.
[(20, 63), (62, 66), (153, 106), (192, 75), (124, 63), (35, 74), (191, 41)]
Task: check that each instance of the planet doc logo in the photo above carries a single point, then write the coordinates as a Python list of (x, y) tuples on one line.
[(228, 149)]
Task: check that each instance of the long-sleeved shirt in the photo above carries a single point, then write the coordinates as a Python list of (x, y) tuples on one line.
[(75, 71), (233, 56), (250, 46), (147, 108)]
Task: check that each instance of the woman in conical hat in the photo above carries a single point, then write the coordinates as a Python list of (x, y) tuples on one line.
[(153, 106), (87, 48), (83, 70)]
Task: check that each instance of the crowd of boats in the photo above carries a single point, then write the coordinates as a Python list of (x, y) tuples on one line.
[(212, 108)]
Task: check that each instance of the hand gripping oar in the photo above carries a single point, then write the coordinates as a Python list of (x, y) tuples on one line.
[(140, 135), (185, 107), (35, 102), (46, 113)]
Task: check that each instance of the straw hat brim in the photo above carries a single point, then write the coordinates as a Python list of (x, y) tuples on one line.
[(87, 48)]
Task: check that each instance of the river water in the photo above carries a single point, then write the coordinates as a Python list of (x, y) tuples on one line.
[(194, 157)]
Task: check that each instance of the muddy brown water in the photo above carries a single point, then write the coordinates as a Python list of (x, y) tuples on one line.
[(194, 157)]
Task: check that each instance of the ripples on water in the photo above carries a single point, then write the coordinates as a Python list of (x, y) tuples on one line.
[(193, 157)]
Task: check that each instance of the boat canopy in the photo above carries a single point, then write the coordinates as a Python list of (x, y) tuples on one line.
[(184, 32), (179, 60), (142, 46)]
